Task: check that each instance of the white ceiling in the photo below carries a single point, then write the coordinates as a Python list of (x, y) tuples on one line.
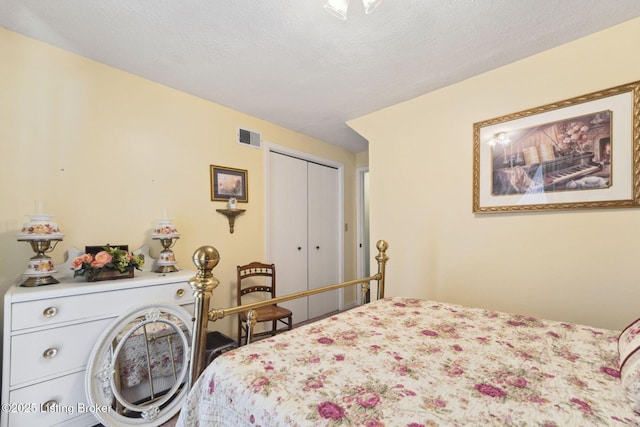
[(292, 63)]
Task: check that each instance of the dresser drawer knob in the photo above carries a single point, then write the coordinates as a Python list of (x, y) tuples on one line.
[(49, 405), (50, 311), (50, 353), (180, 293)]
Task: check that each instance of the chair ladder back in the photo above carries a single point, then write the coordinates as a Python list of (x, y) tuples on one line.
[(257, 288), (275, 314), (256, 269)]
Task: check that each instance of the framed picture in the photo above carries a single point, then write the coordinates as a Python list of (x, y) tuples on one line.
[(579, 153), (227, 183)]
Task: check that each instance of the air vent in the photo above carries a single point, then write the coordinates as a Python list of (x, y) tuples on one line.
[(250, 138)]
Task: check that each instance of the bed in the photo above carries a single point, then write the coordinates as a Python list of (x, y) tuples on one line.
[(408, 362)]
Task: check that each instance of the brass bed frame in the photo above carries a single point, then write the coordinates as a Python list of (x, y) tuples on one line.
[(207, 257)]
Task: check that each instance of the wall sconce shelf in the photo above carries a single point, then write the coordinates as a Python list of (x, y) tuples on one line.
[(231, 214)]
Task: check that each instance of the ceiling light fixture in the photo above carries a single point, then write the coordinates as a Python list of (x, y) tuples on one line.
[(338, 8), (370, 5)]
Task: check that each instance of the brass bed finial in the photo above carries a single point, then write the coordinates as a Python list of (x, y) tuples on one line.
[(205, 259)]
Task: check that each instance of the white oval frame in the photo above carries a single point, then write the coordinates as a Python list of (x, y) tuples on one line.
[(100, 368)]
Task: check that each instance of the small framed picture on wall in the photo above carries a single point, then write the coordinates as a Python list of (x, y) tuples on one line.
[(228, 183)]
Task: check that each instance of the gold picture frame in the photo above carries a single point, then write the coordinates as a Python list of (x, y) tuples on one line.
[(227, 183), (580, 153)]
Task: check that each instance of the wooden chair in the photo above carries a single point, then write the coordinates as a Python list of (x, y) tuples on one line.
[(272, 313)]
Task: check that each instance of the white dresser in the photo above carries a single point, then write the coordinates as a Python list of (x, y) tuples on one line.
[(50, 331)]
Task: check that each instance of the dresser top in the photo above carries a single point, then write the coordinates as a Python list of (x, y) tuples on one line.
[(79, 285), (70, 285)]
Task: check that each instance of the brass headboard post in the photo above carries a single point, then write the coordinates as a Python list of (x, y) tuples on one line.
[(205, 258), (382, 259)]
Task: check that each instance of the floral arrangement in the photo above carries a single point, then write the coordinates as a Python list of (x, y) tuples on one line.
[(109, 259)]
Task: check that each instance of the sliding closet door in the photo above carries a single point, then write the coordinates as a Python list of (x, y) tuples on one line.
[(303, 239), (288, 229), (322, 206)]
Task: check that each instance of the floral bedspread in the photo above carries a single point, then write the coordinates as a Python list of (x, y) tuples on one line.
[(409, 362)]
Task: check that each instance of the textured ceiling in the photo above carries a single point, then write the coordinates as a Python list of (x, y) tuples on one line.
[(293, 64)]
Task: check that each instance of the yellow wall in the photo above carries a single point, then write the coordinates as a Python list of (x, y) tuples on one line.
[(578, 266), (106, 151), (362, 159)]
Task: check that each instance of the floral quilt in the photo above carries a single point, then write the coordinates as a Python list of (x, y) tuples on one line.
[(410, 362)]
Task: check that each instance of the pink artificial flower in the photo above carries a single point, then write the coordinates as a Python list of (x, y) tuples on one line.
[(77, 263), (82, 259), (102, 258)]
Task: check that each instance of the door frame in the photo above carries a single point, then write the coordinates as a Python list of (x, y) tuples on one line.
[(362, 236), (274, 148)]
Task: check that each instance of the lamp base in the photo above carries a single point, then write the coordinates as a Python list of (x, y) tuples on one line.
[(166, 269), (39, 281), (167, 260)]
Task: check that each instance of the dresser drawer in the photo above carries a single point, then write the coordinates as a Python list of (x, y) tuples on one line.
[(95, 305), (67, 391), (45, 353)]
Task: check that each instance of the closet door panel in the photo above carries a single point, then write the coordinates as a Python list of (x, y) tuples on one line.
[(323, 231), (288, 226)]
